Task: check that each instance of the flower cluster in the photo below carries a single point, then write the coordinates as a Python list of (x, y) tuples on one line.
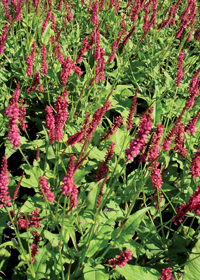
[(117, 123), (45, 22), (179, 141), (137, 145), (191, 126), (82, 50), (69, 188), (77, 137), (46, 189), (34, 246), (67, 66), (13, 112), (98, 115), (102, 170), (195, 165), (3, 38), (166, 274), (193, 90), (99, 71), (55, 123), (4, 182), (35, 82), (44, 63), (173, 131), (192, 205), (121, 260), (30, 60), (95, 6)]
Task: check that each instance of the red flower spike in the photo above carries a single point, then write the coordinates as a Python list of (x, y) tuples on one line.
[(166, 274), (46, 189), (4, 182), (121, 260)]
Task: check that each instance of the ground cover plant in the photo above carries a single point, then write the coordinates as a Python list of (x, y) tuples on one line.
[(99, 139)]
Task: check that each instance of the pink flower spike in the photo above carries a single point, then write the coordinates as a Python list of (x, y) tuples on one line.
[(137, 145), (121, 260), (95, 6), (13, 111), (4, 182), (46, 189), (191, 126), (195, 165), (69, 188), (3, 38), (35, 219), (102, 170), (44, 62), (35, 82), (30, 60), (166, 274), (50, 122)]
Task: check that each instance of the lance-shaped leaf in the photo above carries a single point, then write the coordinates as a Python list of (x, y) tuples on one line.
[(128, 230)]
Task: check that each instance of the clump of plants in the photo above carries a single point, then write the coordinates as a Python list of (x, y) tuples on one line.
[(99, 139)]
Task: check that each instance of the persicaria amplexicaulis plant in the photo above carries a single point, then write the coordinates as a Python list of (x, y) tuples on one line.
[(81, 169)]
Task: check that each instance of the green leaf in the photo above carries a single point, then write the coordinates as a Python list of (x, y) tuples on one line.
[(3, 219), (70, 229), (95, 273), (103, 235), (47, 33), (134, 272), (192, 267), (130, 226), (39, 264)]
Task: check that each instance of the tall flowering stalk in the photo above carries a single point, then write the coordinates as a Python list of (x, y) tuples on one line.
[(55, 123), (82, 50), (179, 141), (77, 137), (137, 145), (30, 60), (192, 205), (97, 117), (67, 66), (8, 14), (191, 126), (61, 106), (45, 22), (102, 170), (95, 6), (3, 38), (193, 90), (44, 62), (171, 134), (50, 122), (13, 112), (35, 82), (117, 123), (99, 71), (195, 165), (121, 260), (69, 188), (46, 189), (4, 182)]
